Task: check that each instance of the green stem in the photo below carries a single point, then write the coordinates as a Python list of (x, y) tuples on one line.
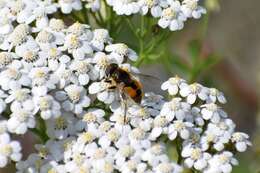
[(76, 17), (42, 135), (179, 148), (131, 26), (85, 15)]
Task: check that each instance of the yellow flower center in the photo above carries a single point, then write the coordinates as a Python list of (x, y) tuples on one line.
[(6, 150), (60, 123), (30, 56), (5, 59), (89, 117), (169, 13), (195, 153)]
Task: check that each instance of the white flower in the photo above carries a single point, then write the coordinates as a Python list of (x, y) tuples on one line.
[(102, 61), (40, 12), (46, 40), (221, 163), (241, 141), (124, 153), (19, 35), (84, 71), (213, 136), (124, 7), (68, 5), (74, 98), (20, 98), (77, 47), (167, 168), (100, 39), (47, 106), (195, 157), (33, 163), (42, 80), (120, 52), (173, 85), (191, 92), (23, 10), (6, 58), (154, 154), (139, 139), (179, 127), (212, 112), (90, 119), (102, 91), (191, 9), (94, 5), (155, 7), (215, 95), (20, 120), (57, 28), (160, 126), (14, 76), (61, 127), (65, 76), (9, 150), (175, 109), (172, 17), (112, 136)]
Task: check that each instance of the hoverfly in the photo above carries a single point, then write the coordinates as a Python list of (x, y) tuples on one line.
[(126, 83)]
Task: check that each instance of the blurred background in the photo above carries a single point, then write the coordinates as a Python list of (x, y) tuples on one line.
[(226, 42)]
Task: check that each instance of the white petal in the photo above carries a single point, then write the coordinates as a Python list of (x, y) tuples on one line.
[(191, 98), (241, 146)]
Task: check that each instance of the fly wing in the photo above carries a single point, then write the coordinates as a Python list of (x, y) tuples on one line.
[(149, 83)]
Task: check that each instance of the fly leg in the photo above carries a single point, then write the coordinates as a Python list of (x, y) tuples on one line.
[(123, 99)]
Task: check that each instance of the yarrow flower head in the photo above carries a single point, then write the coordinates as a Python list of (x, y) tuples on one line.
[(54, 84)]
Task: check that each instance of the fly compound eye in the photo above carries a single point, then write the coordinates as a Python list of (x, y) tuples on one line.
[(111, 69)]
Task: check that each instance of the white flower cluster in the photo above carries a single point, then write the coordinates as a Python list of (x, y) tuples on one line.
[(55, 73), (208, 136), (171, 13)]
